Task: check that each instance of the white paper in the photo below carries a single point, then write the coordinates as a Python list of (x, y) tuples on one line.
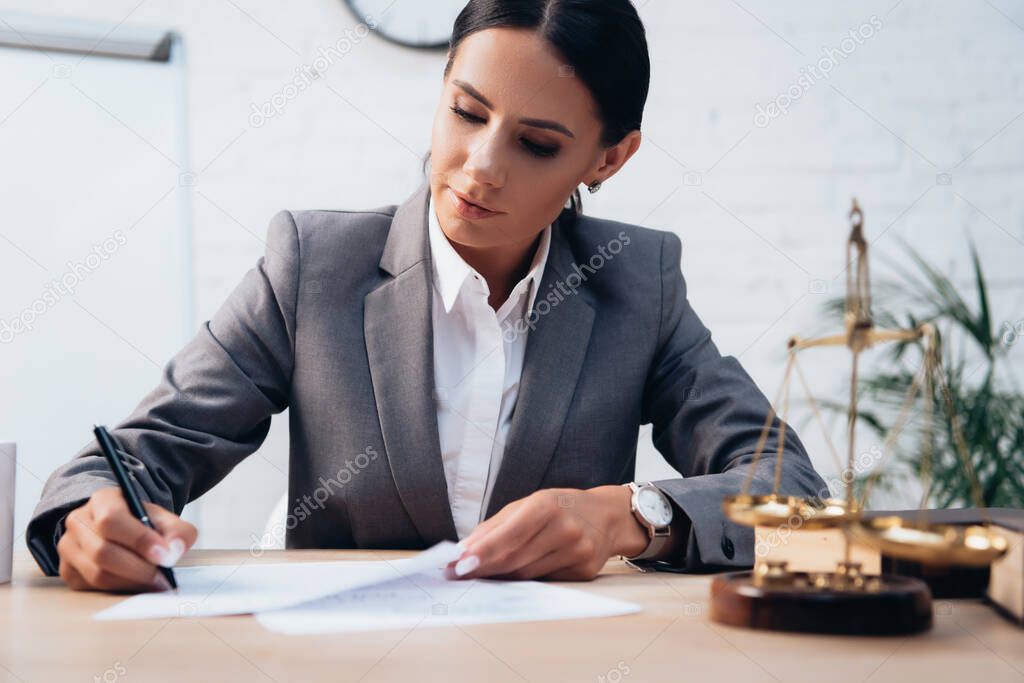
[(244, 588), (429, 599)]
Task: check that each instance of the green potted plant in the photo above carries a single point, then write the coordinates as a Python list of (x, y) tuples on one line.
[(982, 391)]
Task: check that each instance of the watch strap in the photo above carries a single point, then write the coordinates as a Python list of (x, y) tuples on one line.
[(657, 543)]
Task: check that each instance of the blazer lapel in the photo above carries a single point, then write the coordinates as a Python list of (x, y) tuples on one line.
[(399, 346), (555, 349)]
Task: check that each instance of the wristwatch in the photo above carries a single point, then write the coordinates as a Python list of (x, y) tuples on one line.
[(653, 510)]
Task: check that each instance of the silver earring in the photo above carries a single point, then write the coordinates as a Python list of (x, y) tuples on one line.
[(594, 186)]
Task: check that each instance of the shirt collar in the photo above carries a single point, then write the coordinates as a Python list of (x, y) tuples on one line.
[(450, 270)]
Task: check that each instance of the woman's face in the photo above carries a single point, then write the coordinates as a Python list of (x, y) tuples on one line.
[(515, 132)]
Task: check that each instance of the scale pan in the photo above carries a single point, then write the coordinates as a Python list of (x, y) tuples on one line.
[(942, 544), (826, 514), (776, 510)]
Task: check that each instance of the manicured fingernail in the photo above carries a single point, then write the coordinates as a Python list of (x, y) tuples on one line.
[(161, 584), (466, 565), (177, 549), (158, 555)]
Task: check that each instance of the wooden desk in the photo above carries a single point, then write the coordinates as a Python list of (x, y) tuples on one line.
[(47, 636)]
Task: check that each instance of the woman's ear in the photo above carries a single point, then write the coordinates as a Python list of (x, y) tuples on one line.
[(616, 156)]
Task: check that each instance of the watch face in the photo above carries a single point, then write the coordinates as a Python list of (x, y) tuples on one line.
[(654, 506), (410, 22)]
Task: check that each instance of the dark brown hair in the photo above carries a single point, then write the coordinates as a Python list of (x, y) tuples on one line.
[(603, 41)]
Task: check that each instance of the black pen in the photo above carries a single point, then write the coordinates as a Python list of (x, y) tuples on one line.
[(131, 496)]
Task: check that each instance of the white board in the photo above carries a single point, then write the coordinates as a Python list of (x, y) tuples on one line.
[(95, 283)]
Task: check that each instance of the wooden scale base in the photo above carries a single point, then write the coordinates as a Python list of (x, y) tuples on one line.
[(841, 602)]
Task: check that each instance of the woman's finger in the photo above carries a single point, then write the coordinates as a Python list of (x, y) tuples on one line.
[(548, 563), (491, 551), (66, 548), (550, 541), (112, 557), (575, 563), (80, 573), (485, 527), (100, 578), (172, 526), (108, 516)]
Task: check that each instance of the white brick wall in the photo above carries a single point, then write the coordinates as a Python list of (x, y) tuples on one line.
[(939, 88)]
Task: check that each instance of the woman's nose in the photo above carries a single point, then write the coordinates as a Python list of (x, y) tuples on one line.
[(484, 162)]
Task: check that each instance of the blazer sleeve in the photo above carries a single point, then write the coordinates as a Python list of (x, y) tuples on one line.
[(211, 408), (707, 416)]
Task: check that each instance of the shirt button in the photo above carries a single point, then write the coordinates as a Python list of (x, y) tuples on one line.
[(728, 549)]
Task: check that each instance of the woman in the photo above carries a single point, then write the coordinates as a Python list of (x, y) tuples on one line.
[(473, 364)]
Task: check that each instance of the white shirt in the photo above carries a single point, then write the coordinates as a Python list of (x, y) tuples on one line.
[(478, 358)]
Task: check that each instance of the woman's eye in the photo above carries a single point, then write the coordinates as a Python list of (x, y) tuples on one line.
[(533, 147), (540, 150), (462, 113)]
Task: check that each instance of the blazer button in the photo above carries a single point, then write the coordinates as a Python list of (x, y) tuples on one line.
[(727, 547)]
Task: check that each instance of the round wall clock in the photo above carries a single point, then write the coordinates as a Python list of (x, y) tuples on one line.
[(413, 23)]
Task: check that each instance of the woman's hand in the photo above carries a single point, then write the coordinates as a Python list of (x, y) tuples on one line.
[(105, 548), (560, 534)]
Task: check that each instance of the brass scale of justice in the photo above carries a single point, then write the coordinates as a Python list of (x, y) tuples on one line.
[(846, 600)]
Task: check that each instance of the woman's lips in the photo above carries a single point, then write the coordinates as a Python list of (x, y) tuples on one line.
[(468, 209)]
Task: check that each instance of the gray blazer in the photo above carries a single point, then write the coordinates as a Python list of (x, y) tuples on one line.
[(334, 323)]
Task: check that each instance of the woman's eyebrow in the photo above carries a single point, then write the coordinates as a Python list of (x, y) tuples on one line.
[(536, 123)]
